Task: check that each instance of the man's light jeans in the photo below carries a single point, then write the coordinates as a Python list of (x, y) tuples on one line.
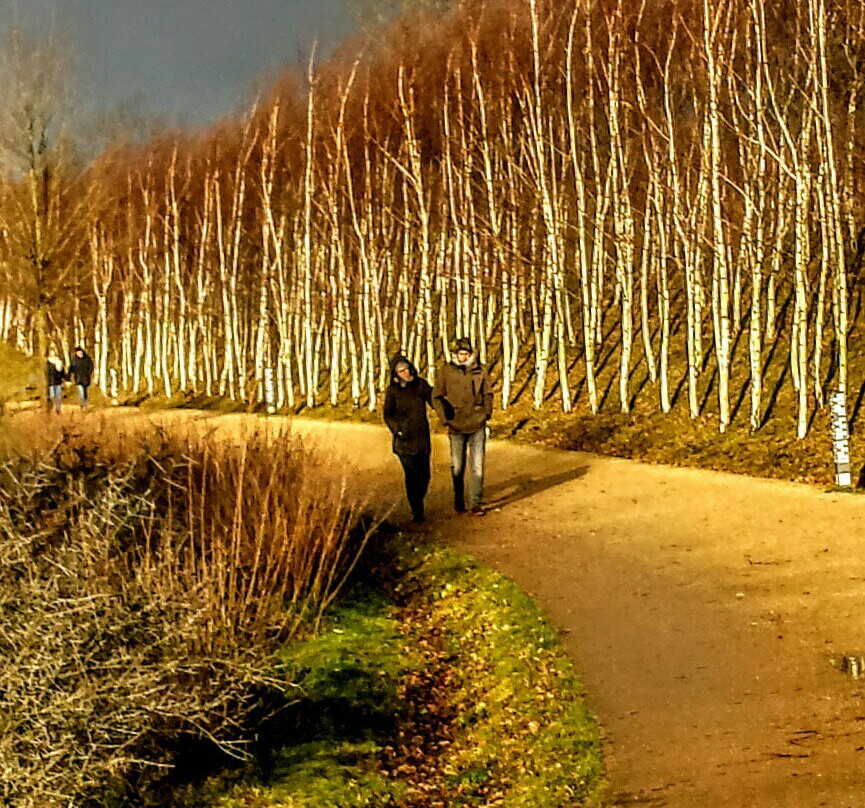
[(473, 445)]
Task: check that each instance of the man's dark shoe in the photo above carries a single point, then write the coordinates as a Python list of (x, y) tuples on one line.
[(479, 510)]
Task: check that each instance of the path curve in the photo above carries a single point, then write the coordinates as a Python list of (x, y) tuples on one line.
[(703, 611)]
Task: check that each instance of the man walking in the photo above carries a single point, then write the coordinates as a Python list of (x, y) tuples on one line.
[(463, 399), (81, 372), (405, 404)]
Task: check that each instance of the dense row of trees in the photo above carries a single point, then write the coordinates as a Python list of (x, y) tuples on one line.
[(610, 195)]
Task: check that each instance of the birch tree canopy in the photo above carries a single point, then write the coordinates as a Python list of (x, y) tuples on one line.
[(626, 206)]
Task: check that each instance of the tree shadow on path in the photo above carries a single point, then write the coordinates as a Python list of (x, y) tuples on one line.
[(522, 486)]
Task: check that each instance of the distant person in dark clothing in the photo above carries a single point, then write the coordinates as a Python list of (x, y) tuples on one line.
[(405, 404), (463, 399), (54, 377), (81, 372)]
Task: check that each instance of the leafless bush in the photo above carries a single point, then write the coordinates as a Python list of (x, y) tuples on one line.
[(142, 590)]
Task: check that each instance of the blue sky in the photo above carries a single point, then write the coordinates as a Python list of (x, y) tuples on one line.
[(188, 60)]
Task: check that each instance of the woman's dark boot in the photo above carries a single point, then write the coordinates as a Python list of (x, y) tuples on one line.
[(459, 494)]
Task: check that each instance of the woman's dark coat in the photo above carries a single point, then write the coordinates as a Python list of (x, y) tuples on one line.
[(54, 376), (405, 411)]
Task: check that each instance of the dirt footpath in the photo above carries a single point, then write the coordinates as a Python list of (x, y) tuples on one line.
[(703, 610)]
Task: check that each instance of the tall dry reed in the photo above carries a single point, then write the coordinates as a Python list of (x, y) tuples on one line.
[(145, 580)]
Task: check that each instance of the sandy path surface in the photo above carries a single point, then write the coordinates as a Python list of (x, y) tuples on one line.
[(703, 611)]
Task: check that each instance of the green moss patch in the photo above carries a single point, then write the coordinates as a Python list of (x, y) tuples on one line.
[(437, 682), (517, 733)]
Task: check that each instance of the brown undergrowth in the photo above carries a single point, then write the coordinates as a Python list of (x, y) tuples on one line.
[(676, 439), (146, 579)]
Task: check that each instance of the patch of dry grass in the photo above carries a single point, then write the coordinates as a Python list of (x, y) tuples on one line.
[(145, 580)]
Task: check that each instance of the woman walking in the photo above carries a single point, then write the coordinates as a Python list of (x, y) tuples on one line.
[(54, 378), (405, 404)]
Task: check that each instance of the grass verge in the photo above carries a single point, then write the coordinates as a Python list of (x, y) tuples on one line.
[(435, 683)]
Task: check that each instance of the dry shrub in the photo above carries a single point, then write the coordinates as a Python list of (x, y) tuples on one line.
[(143, 586)]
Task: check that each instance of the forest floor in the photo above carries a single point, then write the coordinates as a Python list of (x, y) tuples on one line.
[(707, 613), (644, 434), (674, 439)]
